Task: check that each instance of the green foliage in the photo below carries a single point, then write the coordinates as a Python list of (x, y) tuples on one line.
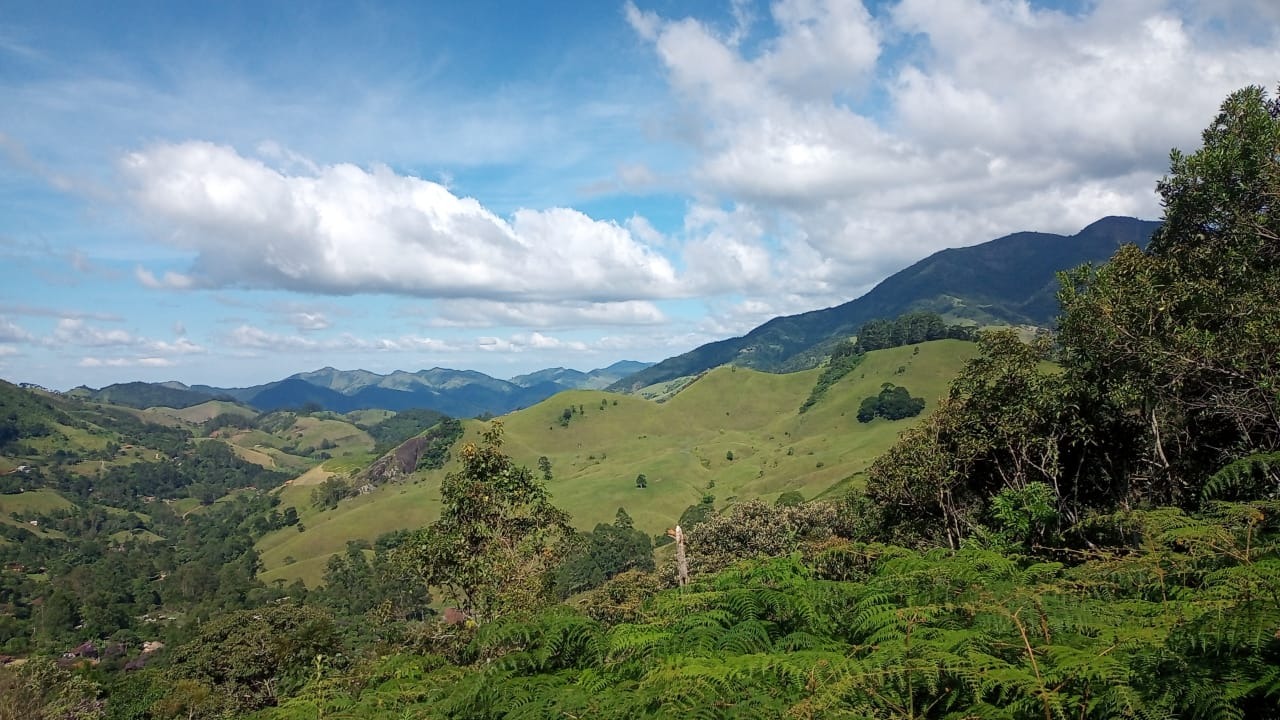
[(1180, 342), (329, 493), (908, 329), (756, 529), (40, 690), (400, 427), (1006, 423), (844, 358), (1252, 476), (437, 441), (893, 403), (606, 551), (1179, 624), (642, 481), (695, 515), (1025, 515), (246, 660), (790, 498), (497, 537)]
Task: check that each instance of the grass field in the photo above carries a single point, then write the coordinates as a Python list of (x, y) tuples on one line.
[(34, 502), (197, 414), (681, 446)]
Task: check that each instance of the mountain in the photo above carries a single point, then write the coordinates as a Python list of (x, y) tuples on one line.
[(145, 395), (568, 379), (459, 393), (1007, 280)]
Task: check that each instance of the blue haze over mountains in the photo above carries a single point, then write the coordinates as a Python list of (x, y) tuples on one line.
[(1009, 280)]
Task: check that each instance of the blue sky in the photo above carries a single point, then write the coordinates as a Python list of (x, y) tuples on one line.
[(228, 193)]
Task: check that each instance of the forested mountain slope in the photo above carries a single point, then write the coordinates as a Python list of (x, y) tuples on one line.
[(1006, 280)]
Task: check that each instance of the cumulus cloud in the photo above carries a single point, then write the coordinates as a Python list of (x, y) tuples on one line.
[(120, 362), (521, 342), (169, 281), (870, 141), (75, 331), (10, 332), (491, 313), (309, 320), (250, 337), (342, 229)]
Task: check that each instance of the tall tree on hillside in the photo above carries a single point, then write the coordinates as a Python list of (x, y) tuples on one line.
[(1183, 340), (497, 538)]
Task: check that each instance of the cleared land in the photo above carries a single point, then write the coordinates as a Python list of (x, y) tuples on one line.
[(682, 447)]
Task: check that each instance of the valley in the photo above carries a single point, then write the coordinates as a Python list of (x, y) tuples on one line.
[(680, 446)]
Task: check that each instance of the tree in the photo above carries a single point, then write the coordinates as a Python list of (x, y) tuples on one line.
[(497, 538), (40, 690), (329, 493), (642, 481), (544, 467), (1180, 342), (1005, 423), (249, 658), (893, 403)]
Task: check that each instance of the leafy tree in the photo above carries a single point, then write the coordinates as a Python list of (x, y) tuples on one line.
[(695, 515), (245, 660), (329, 493), (603, 553), (40, 690), (893, 403), (497, 538), (642, 481), (790, 498), (1180, 341), (1006, 422)]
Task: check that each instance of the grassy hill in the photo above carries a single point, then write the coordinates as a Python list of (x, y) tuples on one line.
[(681, 446)]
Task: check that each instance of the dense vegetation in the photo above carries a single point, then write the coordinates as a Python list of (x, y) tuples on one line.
[(894, 402), (908, 329), (1096, 538), (400, 427)]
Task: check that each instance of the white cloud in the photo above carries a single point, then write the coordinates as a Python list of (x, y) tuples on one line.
[(120, 362), (490, 313), (10, 332), (169, 281), (342, 229), (41, 311), (534, 341), (180, 346), (303, 320), (863, 143), (75, 331), (250, 337)]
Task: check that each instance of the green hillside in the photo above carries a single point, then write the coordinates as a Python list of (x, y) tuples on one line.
[(681, 446), (1009, 280)]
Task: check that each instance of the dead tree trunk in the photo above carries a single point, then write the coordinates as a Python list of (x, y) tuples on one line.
[(682, 563)]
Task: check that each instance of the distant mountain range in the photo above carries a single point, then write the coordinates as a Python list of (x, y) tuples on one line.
[(1008, 280), (459, 393)]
